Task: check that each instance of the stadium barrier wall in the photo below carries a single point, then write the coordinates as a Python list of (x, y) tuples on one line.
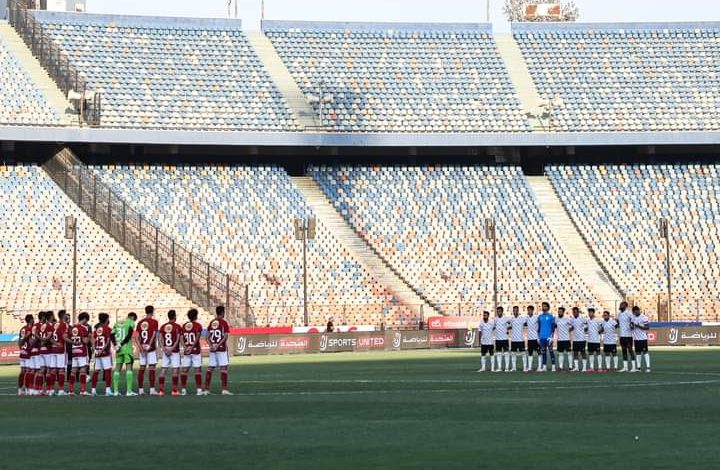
[(359, 341)]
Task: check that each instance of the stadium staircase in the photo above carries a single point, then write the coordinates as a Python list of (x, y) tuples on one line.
[(520, 76), (294, 97), (573, 243), (184, 271), (39, 76), (364, 253)]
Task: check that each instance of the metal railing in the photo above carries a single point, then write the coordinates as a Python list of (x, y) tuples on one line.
[(52, 58), (183, 270)]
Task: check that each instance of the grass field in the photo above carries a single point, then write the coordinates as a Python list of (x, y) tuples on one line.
[(424, 409)]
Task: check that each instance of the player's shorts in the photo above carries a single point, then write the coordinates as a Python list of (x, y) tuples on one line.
[(46, 360), (517, 346), (502, 345), (533, 346), (563, 346), (641, 346), (593, 348), (24, 362), (124, 357), (58, 361), (218, 359), (79, 362), (148, 358), (487, 349), (578, 346), (546, 343), (626, 342), (173, 360), (36, 362), (610, 348), (103, 363), (192, 360)]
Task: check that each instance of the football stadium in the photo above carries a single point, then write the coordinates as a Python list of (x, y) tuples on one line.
[(358, 244)]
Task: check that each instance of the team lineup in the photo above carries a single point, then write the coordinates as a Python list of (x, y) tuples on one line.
[(51, 349), (579, 339)]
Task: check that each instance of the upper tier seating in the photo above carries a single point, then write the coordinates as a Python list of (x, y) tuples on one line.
[(36, 259), (241, 219), (428, 223), (635, 79), (619, 207), (21, 102), (401, 80), (171, 74)]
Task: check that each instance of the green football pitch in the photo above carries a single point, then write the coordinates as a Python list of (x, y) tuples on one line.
[(423, 409)]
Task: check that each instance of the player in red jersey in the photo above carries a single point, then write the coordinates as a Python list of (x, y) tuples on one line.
[(217, 335), (79, 336), (58, 359), (192, 330), (170, 338), (44, 334), (102, 342), (25, 344), (35, 359), (146, 340)]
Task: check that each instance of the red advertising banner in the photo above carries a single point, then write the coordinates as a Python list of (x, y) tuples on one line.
[(9, 353)]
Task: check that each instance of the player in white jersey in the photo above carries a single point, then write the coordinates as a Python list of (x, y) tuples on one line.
[(502, 343), (564, 327), (517, 339), (609, 332), (580, 326), (533, 345), (641, 325), (486, 331), (626, 338), (594, 327)]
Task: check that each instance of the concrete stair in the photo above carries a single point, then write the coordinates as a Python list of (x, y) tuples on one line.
[(520, 76), (329, 216), (38, 75), (572, 243), (294, 97)]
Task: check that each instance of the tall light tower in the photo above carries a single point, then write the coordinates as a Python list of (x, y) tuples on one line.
[(490, 234), (665, 233), (304, 231), (71, 234)]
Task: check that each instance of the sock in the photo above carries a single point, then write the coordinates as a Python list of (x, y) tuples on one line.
[(95, 376), (584, 363), (562, 360), (524, 362), (513, 362), (83, 382), (183, 380), (529, 362), (21, 379), (544, 359), (51, 380), (591, 361), (108, 379), (638, 361), (616, 360), (552, 357), (198, 379), (38, 381), (61, 379), (208, 379), (116, 381), (71, 383), (647, 361), (174, 382), (29, 377), (577, 364), (498, 360), (152, 377), (129, 380), (141, 378), (162, 381), (507, 360), (224, 378)]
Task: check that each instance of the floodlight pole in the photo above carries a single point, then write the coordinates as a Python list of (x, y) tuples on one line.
[(665, 233), (491, 235), (71, 233), (487, 11), (304, 231)]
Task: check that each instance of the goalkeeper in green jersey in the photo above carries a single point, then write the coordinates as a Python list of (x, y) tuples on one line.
[(122, 332)]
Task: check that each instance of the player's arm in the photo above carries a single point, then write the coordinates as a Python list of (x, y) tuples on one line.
[(178, 341), (22, 339), (128, 336)]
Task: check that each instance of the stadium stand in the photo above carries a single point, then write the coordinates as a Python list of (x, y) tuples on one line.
[(401, 77), (36, 259), (618, 208), (241, 219), (428, 223), (626, 77), (20, 101), (170, 73)]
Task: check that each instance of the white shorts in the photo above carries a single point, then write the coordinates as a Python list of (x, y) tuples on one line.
[(148, 358), (103, 363), (47, 360), (79, 362), (35, 362), (172, 360), (24, 363), (58, 361), (192, 360), (218, 359)]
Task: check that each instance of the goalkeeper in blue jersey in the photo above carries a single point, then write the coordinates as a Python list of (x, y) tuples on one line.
[(122, 332), (546, 330)]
